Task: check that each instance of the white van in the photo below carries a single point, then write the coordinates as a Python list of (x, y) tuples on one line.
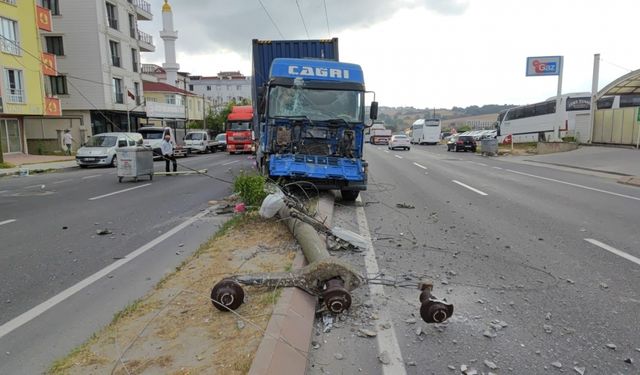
[(152, 137), (201, 141), (101, 148)]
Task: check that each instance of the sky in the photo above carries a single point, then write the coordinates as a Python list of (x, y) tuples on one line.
[(419, 53)]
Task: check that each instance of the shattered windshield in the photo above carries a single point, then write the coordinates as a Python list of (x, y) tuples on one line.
[(317, 105), (238, 126)]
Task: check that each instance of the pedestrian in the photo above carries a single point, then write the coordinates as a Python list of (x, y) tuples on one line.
[(67, 139), (166, 147)]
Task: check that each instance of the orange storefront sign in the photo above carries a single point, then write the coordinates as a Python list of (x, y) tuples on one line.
[(43, 18), (52, 107), (49, 66)]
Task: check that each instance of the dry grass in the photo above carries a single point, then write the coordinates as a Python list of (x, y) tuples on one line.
[(175, 329)]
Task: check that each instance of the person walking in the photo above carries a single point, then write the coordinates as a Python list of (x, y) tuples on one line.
[(67, 139), (166, 147)]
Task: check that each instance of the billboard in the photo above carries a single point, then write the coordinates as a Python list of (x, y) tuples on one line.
[(544, 66)]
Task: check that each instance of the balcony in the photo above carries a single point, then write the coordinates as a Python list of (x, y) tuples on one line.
[(145, 42), (143, 9), (12, 2)]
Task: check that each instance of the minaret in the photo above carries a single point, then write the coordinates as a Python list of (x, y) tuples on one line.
[(169, 37)]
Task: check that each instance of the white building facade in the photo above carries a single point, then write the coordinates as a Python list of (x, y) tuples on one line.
[(98, 45), (223, 88)]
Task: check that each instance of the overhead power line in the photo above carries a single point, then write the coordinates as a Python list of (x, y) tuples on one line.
[(302, 18), (272, 21), (326, 16)]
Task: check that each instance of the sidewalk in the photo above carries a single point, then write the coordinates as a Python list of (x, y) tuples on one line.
[(36, 163), (621, 163)]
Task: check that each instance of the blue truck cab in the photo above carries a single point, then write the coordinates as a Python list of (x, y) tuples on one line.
[(311, 124)]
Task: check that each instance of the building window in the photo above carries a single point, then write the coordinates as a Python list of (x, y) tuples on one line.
[(59, 85), (132, 26), (52, 5), (13, 83), (190, 87), (117, 91), (9, 36), (112, 15), (136, 92), (54, 45), (115, 53), (208, 88), (134, 59)]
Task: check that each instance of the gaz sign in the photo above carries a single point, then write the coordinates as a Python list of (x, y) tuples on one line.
[(544, 66)]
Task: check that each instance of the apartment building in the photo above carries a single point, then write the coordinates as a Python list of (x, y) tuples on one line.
[(24, 69), (98, 45), (222, 88)]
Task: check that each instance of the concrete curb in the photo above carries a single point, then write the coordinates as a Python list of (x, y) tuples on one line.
[(285, 345), (14, 172), (630, 180)]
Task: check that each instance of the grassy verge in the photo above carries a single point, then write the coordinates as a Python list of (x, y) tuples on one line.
[(6, 165)]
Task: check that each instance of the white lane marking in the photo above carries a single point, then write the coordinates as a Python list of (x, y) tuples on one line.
[(398, 156), (575, 185), (387, 151), (482, 164), (7, 221), (497, 168), (33, 186), (613, 250), (117, 192), (33, 313), (92, 176), (61, 181), (231, 162), (419, 165), (386, 338), (469, 187), (4, 191)]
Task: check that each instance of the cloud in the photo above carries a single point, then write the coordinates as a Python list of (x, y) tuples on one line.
[(206, 26)]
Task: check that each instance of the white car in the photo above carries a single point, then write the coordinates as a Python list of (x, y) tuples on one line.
[(399, 141), (101, 148)]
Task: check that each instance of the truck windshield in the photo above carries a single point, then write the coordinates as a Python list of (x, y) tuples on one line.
[(237, 126), (317, 105), (194, 137), (102, 141), (151, 134)]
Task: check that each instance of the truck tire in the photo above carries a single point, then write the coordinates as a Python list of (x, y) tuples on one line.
[(349, 195)]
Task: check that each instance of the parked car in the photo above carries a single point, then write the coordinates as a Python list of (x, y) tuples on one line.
[(201, 141), (222, 141), (462, 142), (101, 148), (399, 141)]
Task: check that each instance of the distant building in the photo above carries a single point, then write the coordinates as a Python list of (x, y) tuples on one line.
[(223, 88), (98, 43), (26, 71)]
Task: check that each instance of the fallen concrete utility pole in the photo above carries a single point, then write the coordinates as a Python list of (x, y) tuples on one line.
[(326, 277)]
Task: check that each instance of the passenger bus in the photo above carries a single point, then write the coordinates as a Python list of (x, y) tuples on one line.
[(537, 122), (426, 131)]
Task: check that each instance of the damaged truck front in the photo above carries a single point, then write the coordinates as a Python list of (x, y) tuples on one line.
[(310, 115)]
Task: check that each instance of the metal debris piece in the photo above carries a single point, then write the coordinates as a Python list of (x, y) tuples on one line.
[(611, 346), (405, 205), (579, 370), (628, 360), (103, 232)]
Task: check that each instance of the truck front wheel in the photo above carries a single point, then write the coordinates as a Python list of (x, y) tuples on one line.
[(349, 195)]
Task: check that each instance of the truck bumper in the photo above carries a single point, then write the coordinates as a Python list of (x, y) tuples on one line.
[(239, 148), (323, 171)]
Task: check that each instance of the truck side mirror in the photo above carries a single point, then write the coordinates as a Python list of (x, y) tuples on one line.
[(373, 112)]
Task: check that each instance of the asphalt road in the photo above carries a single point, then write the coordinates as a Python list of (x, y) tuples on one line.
[(48, 226), (541, 265)]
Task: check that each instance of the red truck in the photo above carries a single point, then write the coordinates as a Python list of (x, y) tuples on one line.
[(239, 134)]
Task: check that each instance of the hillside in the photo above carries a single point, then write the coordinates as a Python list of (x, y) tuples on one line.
[(399, 118)]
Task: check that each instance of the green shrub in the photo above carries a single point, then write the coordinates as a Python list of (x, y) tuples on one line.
[(568, 139), (6, 165), (250, 187)]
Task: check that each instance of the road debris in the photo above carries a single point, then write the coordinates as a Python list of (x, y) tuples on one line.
[(338, 356), (604, 286), (628, 360), (489, 334), (611, 346), (103, 232), (579, 370), (556, 364), (240, 324), (363, 332), (490, 364), (547, 328), (405, 205), (384, 358), (327, 322), (547, 316)]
